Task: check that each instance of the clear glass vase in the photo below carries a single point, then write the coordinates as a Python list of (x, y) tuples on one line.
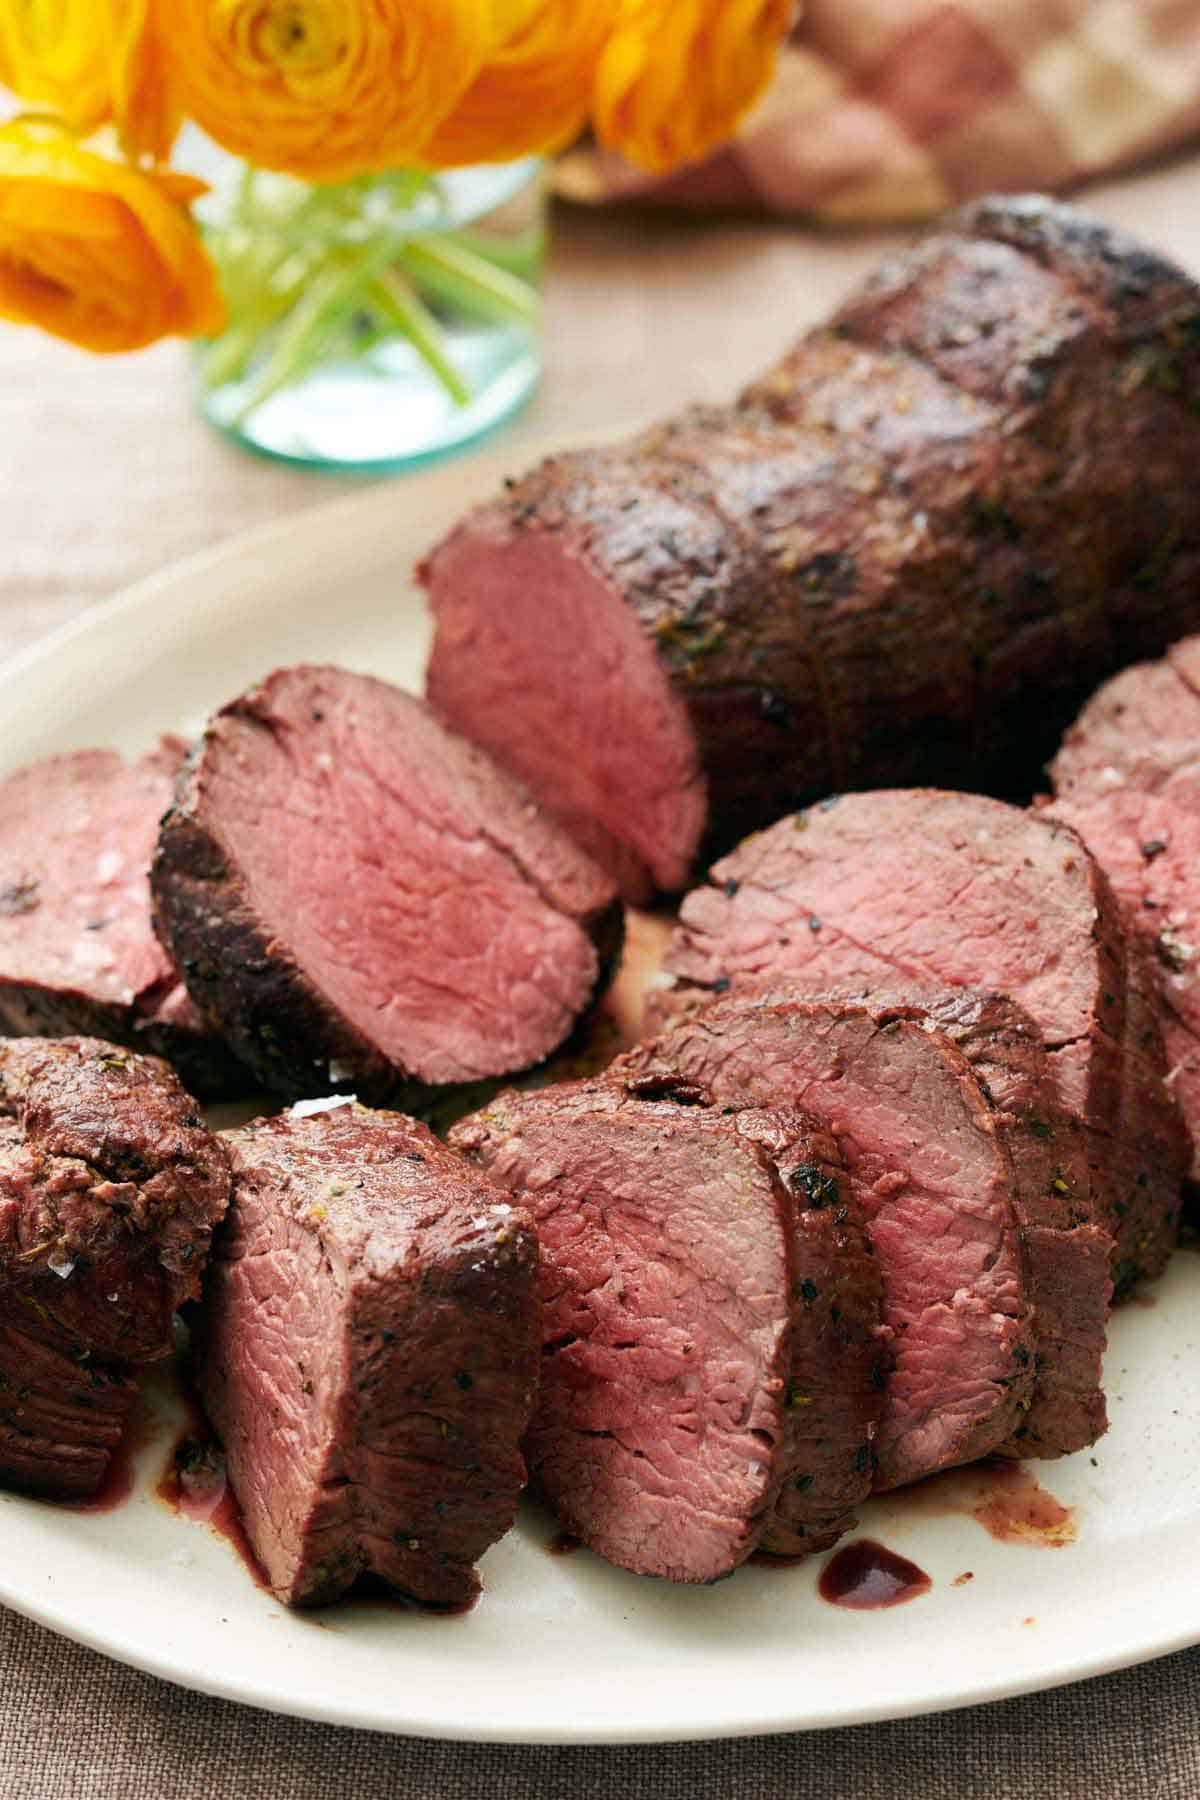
[(379, 323)]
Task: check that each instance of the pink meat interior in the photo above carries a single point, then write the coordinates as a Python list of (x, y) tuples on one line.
[(77, 833), (420, 892), (542, 662), (933, 1184)]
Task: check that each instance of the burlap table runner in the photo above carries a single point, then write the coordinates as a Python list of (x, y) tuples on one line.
[(104, 475), (74, 1726)]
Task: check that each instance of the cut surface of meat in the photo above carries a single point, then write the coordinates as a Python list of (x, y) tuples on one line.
[(542, 606), (365, 901), (703, 1393), (935, 1182), (1127, 777), (960, 891), (905, 555), (367, 1351), (77, 946), (1067, 1252), (110, 1188)]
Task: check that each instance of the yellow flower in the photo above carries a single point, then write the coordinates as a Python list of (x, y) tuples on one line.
[(534, 91), (324, 88), (91, 61), (677, 75), (95, 251)]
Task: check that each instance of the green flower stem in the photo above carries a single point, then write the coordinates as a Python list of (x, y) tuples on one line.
[(326, 304), (313, 273), (233, 352), (520, 255), (461, 279), (402, 307)]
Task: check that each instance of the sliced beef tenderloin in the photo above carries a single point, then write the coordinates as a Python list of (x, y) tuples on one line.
[(935, 1181), (365, 901), (711, 1330), (367, 1351), (1127, 777), (77, 947), (960, 891), (906, 555), (110, 1188), (1067, 1252)]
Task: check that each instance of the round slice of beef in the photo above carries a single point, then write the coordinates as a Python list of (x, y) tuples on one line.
[(934, 1180), (77, 946), (110, 1188), (954, 890), (367, 1351), (365, 901), (710, 1360), (1127, 777)]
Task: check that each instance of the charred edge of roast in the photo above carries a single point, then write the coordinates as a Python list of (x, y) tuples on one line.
[(116, 1180)]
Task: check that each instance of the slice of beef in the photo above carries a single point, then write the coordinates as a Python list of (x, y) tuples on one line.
[(935, 1182), (110, 1189), (905, 556), (960, 891), (368, 1353), (77, 947), (1127, 777), (1068, 1251), (365, 902), (711, 1334)]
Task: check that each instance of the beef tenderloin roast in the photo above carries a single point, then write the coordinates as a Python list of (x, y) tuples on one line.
[(905, 555), (365, 902)]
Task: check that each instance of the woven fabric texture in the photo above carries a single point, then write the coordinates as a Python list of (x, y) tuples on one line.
[(895, 109), (74, 1726)]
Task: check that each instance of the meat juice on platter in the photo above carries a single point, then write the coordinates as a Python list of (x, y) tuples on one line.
[(866, 1577)]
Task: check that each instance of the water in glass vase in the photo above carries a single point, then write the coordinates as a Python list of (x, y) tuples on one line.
[(378, 323)]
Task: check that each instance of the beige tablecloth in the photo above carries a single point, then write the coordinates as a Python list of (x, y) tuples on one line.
[(104, 476)]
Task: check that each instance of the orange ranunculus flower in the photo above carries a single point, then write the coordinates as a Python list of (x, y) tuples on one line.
[(534, 91), (324, 89), (677, 75), (91, 61), (95, 251), (145, 100)]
